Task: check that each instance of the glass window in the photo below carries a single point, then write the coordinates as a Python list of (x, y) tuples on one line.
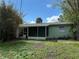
[(61, 29)]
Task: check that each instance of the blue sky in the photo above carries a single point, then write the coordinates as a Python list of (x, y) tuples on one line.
[(37, 8)]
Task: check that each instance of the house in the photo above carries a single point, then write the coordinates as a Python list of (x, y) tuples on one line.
[(47, 30)]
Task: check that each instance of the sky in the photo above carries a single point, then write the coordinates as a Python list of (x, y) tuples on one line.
[(32, 9)]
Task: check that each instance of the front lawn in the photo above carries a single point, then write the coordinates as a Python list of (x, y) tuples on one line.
[(39, 50)]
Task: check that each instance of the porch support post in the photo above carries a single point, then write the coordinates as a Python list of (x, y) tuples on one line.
[(45, 31), (23, 32), (17, 33), (37, 32), (27, 32)]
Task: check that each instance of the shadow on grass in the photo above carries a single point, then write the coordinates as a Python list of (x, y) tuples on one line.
[(15, 49), (16, 46)]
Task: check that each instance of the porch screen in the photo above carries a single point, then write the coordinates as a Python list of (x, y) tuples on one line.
[(33, 31), (41, 31), (37, 31)]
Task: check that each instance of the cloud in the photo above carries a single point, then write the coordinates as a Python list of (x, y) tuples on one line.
[(52, 19), (49, 5), (48, 19), (32, 22)]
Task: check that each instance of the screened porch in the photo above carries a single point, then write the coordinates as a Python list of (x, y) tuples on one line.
[(36, 32)]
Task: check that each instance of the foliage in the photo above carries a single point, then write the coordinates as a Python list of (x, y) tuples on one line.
[(38, 20), (9, 21), (60, 19), (70, 9)]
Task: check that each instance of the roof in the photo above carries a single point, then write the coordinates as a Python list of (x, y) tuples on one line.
[(33, 25), (45, 24)]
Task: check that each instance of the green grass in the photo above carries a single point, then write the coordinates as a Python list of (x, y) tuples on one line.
[(39, 50)]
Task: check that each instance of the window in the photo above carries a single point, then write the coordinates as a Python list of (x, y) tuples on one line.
[(61, 29), (41, 31), (33, 31)]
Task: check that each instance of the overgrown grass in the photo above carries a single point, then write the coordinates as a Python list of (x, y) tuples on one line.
[(39, 50)]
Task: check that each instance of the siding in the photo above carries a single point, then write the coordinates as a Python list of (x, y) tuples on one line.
[(58, 32)]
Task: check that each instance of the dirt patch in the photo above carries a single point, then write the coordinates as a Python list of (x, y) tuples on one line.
[(39, 45)]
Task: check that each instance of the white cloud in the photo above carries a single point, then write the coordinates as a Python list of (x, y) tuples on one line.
[(32, 22), (49, 5), (52, 19)]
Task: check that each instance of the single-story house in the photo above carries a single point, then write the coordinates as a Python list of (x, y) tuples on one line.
[(46, 30)]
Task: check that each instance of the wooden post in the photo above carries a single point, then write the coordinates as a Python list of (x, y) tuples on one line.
[(27, 32), (37, 32), (17, 33), (45, 31)]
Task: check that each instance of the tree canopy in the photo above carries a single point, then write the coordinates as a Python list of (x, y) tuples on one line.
[(9, 21), (38, 20), (70, 10)]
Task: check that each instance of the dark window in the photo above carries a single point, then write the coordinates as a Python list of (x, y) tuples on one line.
[(61, 28), (25, 30), (41, 31), (33, 31)]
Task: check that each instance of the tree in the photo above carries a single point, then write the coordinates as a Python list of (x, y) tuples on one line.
[(38, 20), (70, 10), (60, 19), (9, 21)]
